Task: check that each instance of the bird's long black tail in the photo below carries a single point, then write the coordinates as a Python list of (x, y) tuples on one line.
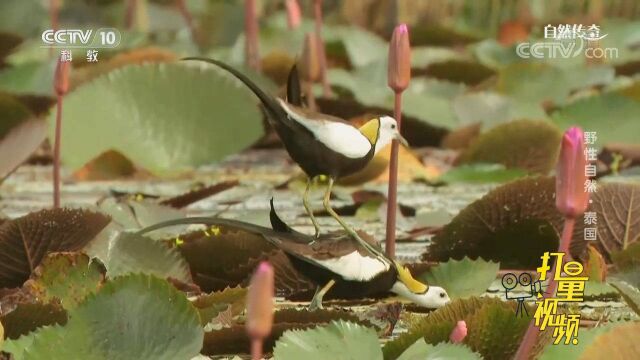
[(271, 105)]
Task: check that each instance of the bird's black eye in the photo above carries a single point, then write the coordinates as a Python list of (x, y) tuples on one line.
[(442, 295), (393, 126)]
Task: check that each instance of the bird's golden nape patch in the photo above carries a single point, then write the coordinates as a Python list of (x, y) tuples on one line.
[(371, 130), (415, 286)]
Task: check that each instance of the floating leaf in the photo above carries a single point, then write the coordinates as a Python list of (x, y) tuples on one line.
[(574, 351), (630, 293), (525, 144), (108, 165), (538, 82), (134, 214), (420, 350), (135, 316), (196, 195), (434, 328), (234, 339), (461, 137), (588, 113), (131, 253), (339, 340), (596, 266), (65, 277), (459, 71), (8, 42), (617, 207), (621, 342), (495, 331), (34, 77), (525, 210), (481, 173), (134, 56), (162, 119), (491, 109), (210, 305), (25, 241), (212, 254), (513, 224), (27, 317), (627, 259), (21, 133), (462, 278)]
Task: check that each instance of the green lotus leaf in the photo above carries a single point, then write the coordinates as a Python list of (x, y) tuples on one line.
[(420, 350), (164, 117), (130, 253), (588, 113), (131, 317), (338, 340), (462, 278)]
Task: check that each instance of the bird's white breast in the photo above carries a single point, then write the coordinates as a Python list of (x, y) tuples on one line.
[(339, 137), (355, 266)]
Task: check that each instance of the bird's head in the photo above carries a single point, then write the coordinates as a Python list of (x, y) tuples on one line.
[(418, 292), (381, 131)]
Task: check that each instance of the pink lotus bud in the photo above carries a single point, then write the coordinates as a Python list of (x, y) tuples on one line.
[(399, 70), (61, 77), (294, 15), (260, 302), (571, 199), (459, 332)]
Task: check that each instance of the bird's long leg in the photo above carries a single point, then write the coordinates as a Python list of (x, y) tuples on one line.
[(316, 302), (347, 228), (305, 202)]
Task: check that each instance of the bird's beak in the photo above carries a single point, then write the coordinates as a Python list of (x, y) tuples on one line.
[(402, 140)]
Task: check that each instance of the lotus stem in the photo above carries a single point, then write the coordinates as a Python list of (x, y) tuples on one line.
[(317, 13), (252, 58), (188, 19), (392, 197), (61, 87), (256, 349), (530, 337), (398, 77), (53, 16), (56, 153)]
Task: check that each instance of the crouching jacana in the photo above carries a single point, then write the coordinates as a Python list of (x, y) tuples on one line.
[(333, 262), (321, 144)]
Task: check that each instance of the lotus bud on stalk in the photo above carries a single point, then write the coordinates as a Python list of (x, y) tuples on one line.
[(260, 307), (398, 76), (252, 58), (459, 332), (310, 67), (294, 15), (571, 201), (399, 69), (61, 87)]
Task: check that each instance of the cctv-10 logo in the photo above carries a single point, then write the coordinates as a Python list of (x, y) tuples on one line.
[(76, 38)]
